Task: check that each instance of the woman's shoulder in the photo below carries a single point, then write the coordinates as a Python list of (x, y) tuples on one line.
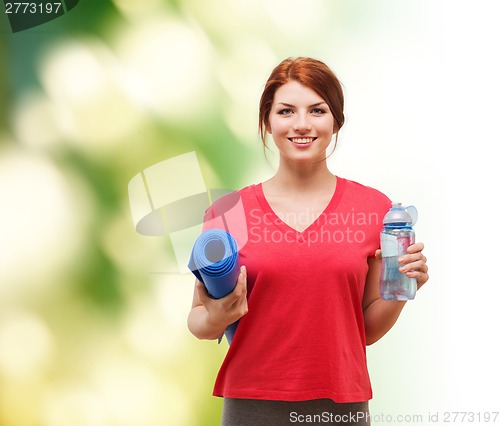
[(365, 192), (226, 195), (224, 200)]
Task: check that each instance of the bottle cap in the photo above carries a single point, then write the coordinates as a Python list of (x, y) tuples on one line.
[(398, 214)]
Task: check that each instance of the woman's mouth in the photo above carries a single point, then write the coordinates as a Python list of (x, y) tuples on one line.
[(302, 141)]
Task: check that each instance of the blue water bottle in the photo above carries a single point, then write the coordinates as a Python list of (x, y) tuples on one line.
[(395, 238)]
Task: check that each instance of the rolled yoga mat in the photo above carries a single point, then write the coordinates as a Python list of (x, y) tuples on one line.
[(215, 262)]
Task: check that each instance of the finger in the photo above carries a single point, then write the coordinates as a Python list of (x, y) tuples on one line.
[(416, 273), (241, 284), (241, 307), (239, 290), (422, 280), (415, 248), (421, 277), (407, 258), (418, 266), (238, 308), (243, 273)]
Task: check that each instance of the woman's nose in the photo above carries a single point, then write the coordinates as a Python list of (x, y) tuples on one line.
[(301, 123)]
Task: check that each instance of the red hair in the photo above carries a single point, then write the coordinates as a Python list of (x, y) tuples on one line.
[(311, 73)]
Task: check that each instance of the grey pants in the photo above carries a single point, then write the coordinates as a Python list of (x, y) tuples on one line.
[(253, 412)]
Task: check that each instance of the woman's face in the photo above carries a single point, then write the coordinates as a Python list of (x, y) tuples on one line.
[(300, 122)]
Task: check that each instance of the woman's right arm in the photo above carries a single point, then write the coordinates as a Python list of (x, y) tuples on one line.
[(209, 317)]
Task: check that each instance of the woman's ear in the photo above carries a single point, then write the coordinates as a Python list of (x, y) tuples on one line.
[(335, 127)]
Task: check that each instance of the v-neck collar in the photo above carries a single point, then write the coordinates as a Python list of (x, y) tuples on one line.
[(304, 235)]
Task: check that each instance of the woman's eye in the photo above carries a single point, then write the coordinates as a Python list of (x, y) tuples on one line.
[(318, 111), (285, 111)]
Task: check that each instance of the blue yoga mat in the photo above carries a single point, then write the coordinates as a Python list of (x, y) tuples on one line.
[(214, 261)]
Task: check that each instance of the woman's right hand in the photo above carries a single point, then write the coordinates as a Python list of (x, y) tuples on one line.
[(230, 308)]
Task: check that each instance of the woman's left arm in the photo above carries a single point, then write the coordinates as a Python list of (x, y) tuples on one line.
[(380, 315)]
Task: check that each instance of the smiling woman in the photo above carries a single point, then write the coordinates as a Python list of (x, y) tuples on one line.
[(311, 74), (307, 296), (300, 119)]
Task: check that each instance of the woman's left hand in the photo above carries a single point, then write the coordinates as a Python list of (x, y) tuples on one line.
[(414, 264)]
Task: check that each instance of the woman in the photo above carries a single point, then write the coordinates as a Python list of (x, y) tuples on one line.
[(307, 295)]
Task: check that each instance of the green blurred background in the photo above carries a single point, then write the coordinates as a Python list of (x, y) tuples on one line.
[(93, 315)]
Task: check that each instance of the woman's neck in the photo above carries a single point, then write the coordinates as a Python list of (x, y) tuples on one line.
[(298, 177)]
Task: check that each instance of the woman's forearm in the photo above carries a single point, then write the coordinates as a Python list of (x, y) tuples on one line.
[(379, 317), (200, 325)]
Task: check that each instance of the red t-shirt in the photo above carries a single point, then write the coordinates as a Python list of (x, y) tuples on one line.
[(303, 337)]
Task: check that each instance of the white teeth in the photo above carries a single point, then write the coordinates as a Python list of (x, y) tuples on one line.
[(302, 140)]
